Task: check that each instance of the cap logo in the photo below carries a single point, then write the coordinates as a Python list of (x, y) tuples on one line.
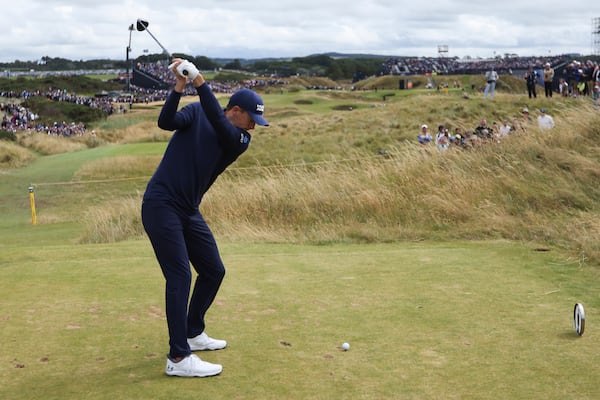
[(260, 108)]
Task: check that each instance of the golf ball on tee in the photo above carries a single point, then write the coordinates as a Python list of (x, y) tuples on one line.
[(345, 346)]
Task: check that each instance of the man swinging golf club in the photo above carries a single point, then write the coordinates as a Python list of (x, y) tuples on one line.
[(206, 141)]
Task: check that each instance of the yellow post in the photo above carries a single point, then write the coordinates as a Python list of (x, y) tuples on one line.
[(32, 203)]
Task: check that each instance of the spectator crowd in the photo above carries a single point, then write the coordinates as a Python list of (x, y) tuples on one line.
[(17, 118), (159, 71), (455, 66), (483, 133), (577, 79)]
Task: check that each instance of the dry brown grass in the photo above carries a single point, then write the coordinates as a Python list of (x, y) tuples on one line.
[(113, 221), (141, 131), (117, 168), (537, 187), (14, 156), (48, 145)]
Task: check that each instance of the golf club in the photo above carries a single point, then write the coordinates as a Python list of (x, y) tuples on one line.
[(142, 25)]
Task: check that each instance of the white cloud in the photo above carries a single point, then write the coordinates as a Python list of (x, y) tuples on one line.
[(90, 29)]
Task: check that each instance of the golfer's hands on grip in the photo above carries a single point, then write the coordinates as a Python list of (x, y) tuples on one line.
[(184, 69)]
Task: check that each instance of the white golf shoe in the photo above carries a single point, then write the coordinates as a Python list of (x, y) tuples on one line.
[(192, 366), (204, 342)]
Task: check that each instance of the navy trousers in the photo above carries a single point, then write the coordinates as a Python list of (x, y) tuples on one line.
[(179, 239)]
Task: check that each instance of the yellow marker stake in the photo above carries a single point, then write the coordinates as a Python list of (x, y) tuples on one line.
[(32, 202)]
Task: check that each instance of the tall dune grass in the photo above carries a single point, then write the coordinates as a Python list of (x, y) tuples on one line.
[(133, 131), (539, 187), (13, 155), (117, 168), (113, 221), (518, 190), (49, 145), (526, 189)]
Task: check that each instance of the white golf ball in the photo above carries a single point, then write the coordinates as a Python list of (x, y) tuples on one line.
[(345, 346)]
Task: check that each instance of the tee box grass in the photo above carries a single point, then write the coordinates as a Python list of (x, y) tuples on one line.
[(424, 320)]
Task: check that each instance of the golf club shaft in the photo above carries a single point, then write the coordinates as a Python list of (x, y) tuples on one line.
[(161, 46)]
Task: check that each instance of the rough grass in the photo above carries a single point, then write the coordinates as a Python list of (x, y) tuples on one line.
[(136, 128), (113, 221), (536, 187), (417, 194), (320, 175), (48, 145), (14, 156), (117, 167)]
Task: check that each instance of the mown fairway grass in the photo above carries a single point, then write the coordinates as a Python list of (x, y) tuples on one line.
[(425, 321)]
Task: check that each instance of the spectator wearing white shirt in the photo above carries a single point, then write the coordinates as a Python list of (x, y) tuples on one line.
[(545, 121), (490, 88), (442, 140), (505, 129)]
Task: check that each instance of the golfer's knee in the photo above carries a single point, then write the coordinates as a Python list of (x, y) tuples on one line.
[(220, 273)]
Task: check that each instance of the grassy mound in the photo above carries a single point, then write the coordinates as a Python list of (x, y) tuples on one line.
[(14, 156), (53, 111), (80, 84)]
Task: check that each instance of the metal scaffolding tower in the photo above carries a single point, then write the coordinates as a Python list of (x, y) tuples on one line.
[(596, 36), (442, 50)]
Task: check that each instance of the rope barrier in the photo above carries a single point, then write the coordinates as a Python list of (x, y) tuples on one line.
[(231, 170)]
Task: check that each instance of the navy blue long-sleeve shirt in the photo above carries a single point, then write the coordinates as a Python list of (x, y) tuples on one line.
[(203, 145)]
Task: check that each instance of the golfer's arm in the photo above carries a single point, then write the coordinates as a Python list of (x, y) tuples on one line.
[(198, 81)]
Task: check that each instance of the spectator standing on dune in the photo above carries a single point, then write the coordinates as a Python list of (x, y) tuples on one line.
[(531, 78), (596, 83), (548, 79), (491, 78), (563, 87)]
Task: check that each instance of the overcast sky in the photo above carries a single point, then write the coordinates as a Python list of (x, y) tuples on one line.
[(86, 29)]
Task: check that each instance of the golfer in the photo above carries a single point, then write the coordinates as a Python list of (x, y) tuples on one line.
[(206, 141)]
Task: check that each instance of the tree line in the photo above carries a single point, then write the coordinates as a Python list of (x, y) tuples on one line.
[(325, 65)]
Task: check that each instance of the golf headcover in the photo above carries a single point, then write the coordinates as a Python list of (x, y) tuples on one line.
[(188, 70)]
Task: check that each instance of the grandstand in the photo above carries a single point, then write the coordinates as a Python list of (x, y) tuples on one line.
[(149, 76)]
